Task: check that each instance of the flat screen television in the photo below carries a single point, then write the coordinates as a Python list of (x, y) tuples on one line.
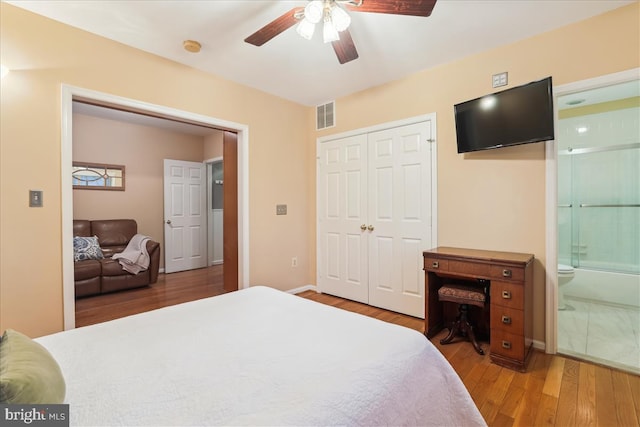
[(519, 115)]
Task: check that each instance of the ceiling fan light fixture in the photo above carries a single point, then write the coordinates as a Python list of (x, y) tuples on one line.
[(329, 32), (341, 19), (306, 28), (313, 11), (335, 16)]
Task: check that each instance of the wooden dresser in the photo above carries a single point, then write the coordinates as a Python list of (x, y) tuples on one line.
[(510, 279)]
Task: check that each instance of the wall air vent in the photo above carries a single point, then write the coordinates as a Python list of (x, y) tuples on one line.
[(325, 115)]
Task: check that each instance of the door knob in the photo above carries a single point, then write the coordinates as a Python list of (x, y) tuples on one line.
[(363, 227), (169, 221), (370, 228)]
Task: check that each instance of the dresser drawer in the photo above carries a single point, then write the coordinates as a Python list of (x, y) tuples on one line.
[(434, 264), (476, 269), (506, 294), (507, 345), (507, 319), (507, 273)]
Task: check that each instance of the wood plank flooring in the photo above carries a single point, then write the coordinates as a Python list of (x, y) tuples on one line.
[(555, 390), (170, 289)]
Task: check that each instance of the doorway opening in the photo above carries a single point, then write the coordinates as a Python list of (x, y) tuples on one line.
[(70, 94), (593, 280), (215, 210)]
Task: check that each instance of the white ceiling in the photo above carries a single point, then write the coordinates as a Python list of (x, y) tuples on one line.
[(307, 71)]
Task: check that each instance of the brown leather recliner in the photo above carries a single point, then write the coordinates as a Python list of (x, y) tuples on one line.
[(100, 276)]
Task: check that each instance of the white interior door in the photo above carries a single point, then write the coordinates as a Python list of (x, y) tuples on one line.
[(399, 214), (185, 228), (374, 216), (342, 205)]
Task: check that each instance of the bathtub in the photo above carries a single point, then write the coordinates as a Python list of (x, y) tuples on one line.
[(603, 286)]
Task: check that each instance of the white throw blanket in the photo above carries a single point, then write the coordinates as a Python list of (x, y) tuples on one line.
[(135, 257)]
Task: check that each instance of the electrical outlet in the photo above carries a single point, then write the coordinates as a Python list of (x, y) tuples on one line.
[(294, 261), (281, 209)]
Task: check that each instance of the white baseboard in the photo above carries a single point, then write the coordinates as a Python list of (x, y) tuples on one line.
[(538, 345), (303, 289)]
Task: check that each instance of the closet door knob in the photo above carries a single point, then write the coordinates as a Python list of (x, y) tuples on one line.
[(169, 221), (370, 228), (363, 227)]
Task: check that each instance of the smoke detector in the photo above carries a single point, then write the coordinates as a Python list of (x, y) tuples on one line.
[(191, 46)]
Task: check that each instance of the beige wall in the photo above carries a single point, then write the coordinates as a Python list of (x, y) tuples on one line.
[(142, 150), (492, 200), (213, 147), (43, 54), (496, 199)]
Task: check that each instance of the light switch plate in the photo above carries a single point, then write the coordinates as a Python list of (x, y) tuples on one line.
[(281, 209), (35, 198), (500, 79)]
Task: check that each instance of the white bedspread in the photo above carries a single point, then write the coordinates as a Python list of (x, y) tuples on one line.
[(257, 357)]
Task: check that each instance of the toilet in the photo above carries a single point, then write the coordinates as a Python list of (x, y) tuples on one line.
[(565, 275)]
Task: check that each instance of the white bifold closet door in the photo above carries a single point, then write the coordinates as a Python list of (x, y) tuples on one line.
[(374, 217)]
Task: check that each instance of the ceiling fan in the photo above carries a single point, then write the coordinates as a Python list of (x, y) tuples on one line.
[(336, 21)]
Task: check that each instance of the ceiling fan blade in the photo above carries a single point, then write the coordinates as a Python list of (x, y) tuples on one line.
[(395, 7), (344, 48), (275, 27)]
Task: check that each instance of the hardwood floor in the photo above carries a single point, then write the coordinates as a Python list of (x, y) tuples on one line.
[(170, 289), (555, 390)]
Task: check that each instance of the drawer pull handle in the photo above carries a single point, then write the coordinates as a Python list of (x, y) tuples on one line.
[(506, 294), (435, 264), (506, 344), (506, 320), (506, 273)]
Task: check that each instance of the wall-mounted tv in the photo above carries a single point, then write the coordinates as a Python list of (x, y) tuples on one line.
[(519, 115)]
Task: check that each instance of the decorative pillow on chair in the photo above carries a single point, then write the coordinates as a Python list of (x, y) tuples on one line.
[(28, 372), (86, 248)]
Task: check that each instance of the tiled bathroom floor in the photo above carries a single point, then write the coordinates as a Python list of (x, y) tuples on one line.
[(600, 333)]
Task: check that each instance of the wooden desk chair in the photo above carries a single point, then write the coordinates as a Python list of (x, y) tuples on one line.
[(464, 296)]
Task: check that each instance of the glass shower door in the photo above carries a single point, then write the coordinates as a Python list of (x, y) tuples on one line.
[(606, 208)]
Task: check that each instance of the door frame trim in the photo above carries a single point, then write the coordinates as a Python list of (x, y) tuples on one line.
[(384, 126), (67, 95)]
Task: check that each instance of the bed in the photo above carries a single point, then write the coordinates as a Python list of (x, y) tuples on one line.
[(256, 357)]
